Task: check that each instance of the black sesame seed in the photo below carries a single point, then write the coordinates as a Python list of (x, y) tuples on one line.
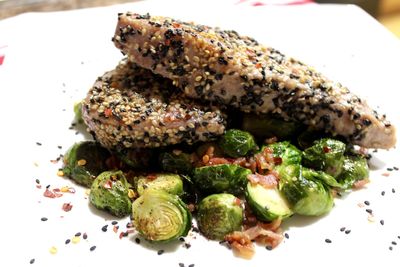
[(366, 202), (84, 236), (286, 235), (92, 248), (48, 186), (67, 241), (382, 222), (104, 228), (160, 252), (37, 181), (328, 240), (114, 222), (78, 234), (347, 232), (394, 243), (191, 265), (137, 240), (390, 248), (181, 264), (342, 229), (369, 211), (43, 219), (383, 193), (181, 239), (38, 143), (393, 191), (389, 169), (32, 261), (395, 168), (268, 247)]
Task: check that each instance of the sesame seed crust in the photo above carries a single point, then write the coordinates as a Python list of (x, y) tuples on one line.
[(228, 69), (132, 107)]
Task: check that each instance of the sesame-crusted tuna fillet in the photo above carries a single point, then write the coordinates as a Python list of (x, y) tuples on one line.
[(132, 107), (226, 68)]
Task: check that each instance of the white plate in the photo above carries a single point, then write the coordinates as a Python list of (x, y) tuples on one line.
[(53, 58)]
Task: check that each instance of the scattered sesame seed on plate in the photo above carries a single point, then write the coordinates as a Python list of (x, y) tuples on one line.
[(32, 261), (92, 248), (286, 235), (160, 252), (327, 240)]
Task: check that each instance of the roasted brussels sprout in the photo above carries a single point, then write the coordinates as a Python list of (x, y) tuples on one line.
[(160, 216), (78, 112), (176, 161), (326, 155), (288, 153), (306, 196), (170, 183), (84, 161), (219, 215), (267, 204), (265, 126), (354, 168), (236, 143), (137, 158), (109, 192), (221, 178)]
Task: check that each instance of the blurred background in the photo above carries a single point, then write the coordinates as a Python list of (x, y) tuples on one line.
[(386, 11)]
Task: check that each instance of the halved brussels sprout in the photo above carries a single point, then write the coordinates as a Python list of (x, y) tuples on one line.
[(84, 161), (326, 155), (265, 126), (236, 143), (306, 196), (137, 158), (219, 215), (109, 192), (267, 204), (321, 176), (170, 183), (160, 217), (176, 161), (221, 178), (354, 168)]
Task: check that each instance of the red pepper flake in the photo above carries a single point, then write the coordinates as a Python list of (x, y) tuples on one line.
[(108, 184), (107, 112), (386, 174), (258, 65), (326, 149), (237, 201), (115, 228), (277, 160), (38, 186), (151, 177), (66, 207)]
